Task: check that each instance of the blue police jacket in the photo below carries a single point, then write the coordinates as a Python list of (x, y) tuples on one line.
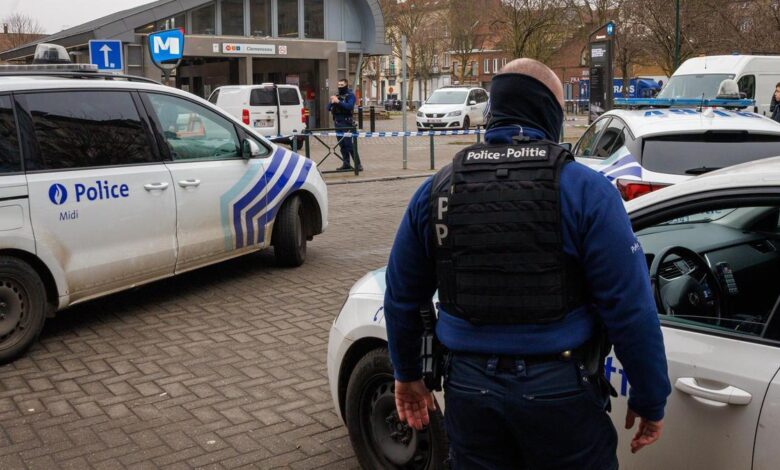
[(344, 107), (597, 232)]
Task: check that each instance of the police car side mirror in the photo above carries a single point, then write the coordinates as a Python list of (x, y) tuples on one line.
[(249, 149), (472, 103), (566, 145)]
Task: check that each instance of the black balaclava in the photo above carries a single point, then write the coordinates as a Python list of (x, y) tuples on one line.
[(343, 90), (521, 100)]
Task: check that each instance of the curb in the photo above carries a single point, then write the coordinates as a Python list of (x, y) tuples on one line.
[(381, 178)]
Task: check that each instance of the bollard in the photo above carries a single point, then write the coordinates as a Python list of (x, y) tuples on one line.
[(307, 145), (360, 117), (433, 165), (356, 154), (372, 118), (294, 143), (479, 136)]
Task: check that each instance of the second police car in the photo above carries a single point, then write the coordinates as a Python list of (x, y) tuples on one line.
[(107, 184), (641, 150), (713, 252)]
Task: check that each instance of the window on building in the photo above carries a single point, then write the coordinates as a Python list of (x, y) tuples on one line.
[(203, 20), (93, 128), (232, 17), (473, 68), (10, 158), (261, 18), (487, 66), (313, 19), (503, 62), (495, 65), (455, 67), (288, 18)]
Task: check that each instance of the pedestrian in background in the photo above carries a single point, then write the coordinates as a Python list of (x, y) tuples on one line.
[(773, 106), (342, 106), (532, 255)]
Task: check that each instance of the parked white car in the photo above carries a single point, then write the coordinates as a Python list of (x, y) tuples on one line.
[(642, 150), (453, 108), (713, 251), (111, 182), (272, 110)]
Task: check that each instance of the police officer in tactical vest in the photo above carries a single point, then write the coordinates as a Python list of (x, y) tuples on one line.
[(342, 106), (536, 265)]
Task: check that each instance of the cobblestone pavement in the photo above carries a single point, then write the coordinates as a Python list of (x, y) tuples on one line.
[(219, 368)]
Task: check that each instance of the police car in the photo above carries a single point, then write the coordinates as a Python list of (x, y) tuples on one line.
[(110, 182), (670, 141), (713, 252)]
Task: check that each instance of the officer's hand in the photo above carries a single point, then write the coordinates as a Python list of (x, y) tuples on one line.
[(334, 99), (648, 432), (413, 400)]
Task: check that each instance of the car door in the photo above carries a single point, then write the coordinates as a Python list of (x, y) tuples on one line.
[(720, 330), (473, 110), (214, 185), (290, 115), (264, 110), (100, 196)]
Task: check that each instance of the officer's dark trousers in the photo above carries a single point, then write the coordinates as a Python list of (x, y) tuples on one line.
[(345, 144), (537, 416)]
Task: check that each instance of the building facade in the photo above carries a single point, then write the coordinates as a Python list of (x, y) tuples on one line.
[(310, 43)]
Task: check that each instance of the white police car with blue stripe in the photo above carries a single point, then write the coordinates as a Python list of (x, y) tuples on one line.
[(106, 184), (713, 250), (670, 141)]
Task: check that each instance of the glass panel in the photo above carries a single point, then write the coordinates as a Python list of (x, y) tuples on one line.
[(747, 85), (233, 17), (203, 20), (692, 154), (261, 18), (314, 19), (693, 86), (288, 18), (81, 129), (10, 158), (263, 97), (586, 144), (717, 269), (611, 140), (194, 132), (288, 97)]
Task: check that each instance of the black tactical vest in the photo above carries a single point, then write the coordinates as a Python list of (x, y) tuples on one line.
[(496, 219)]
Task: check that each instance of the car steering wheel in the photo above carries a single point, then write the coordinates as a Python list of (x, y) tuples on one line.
[(695, 295)]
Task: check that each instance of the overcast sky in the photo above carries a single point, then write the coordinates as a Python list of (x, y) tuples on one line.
[(56, 15)]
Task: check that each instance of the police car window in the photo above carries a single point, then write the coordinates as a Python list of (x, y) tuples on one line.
[(747, 85), (586, 147), (10, 158), (194, 132), (214, 97), (611, 140), (694, 154), (721, 277), (263, 97), (79, 129), (288, 97)]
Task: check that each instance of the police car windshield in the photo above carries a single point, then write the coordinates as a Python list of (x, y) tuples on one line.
[(693, 86), (683, 153), (447, 97)]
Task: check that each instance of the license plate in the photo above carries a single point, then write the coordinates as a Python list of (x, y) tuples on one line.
[(437, 121), (264, 123)]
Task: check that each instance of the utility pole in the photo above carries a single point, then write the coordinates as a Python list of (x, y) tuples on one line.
[(403, 93), (677, 35)]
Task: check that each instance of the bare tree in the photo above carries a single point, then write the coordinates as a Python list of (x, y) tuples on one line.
[(530, 28), (21, 29), (467, 22)]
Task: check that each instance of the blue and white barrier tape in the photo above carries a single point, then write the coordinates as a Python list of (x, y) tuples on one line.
[(383, 134)]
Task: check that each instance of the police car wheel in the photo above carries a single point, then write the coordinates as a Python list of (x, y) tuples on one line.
[(22, 307), (290, 234), (380, 440), (466, 123)]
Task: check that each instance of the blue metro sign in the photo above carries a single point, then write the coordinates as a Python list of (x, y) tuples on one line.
[(166, 47), (106, 54)]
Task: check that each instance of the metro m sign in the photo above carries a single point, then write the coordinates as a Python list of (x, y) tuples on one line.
[(166, 48)]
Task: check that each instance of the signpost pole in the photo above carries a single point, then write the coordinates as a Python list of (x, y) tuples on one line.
[(403, 95)]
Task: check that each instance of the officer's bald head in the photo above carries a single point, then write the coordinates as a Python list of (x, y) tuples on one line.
[(539, 71)]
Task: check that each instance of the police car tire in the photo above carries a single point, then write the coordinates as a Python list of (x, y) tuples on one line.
[(290, 234), (372, 370), (466, 123), (25, 289)]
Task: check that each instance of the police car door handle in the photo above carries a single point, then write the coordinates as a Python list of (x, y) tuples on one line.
[(189, 183), (156, 186), (270, 112), (727, 394)]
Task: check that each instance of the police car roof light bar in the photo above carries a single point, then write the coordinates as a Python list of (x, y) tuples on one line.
[(75, 74), (683, 102)]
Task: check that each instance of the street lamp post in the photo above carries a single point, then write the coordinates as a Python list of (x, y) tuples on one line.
[(677, 35)]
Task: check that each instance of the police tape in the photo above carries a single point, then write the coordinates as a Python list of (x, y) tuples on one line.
[(380, 134)]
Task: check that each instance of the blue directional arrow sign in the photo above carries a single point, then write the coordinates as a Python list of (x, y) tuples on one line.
[(106, 54)]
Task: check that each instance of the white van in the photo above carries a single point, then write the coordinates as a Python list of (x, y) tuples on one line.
[(272, 110), (756, 76)]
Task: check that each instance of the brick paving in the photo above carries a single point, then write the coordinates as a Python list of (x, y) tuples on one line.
[(219, 368)]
